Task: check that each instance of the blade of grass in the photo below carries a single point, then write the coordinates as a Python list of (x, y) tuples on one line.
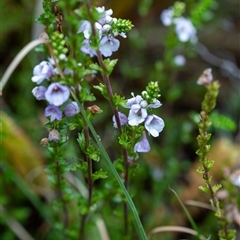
[(33, 198), (193, 224), (16, 227)]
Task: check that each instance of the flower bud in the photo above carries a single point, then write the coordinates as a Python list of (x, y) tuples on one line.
[(44, 142), (94, 109), (54, 136)]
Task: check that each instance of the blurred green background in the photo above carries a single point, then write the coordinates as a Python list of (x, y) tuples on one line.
[(141, 59)]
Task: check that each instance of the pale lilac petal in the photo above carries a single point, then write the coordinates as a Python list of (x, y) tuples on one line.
[(167, 17), (39, 92), (157, 104), (86, 48), (42, 71), (53, 112), (136, 115), (85, 28), (108, 46), (71, 109), (57, 94), (123, 119), (143, 145), (185, 29), (179, 60), (133, 100), (154, 125)]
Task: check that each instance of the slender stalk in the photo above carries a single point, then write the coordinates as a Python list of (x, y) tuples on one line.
[(208, 104), (124, 150), (7, 74), (60, 194), (89, 162), (90, 185), (115, 112)]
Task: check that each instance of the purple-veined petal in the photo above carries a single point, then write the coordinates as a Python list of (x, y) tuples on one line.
[(108, 46), (53, 112), (57, 94)]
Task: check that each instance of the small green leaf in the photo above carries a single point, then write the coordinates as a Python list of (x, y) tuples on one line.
[(100, 174), (119, 165), (200, 170), (204, 189), (83, 206), (96, 67), (85, 95), (119, 101), (75, 167), (81, 141), (199, 152), (110, 64), (209, 164), (93, 153), (216, 187), (102, 88)]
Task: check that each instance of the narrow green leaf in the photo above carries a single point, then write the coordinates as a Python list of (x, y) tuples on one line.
[(193, 224)]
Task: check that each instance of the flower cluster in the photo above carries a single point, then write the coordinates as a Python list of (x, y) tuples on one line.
[(183, 27), (107, 29), (140, 106), (56, 94)]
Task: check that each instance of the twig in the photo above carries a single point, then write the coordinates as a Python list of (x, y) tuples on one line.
[(43, 39), (16, 227), (174, 229)]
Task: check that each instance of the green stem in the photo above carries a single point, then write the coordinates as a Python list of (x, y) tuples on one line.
[(115, 112), (124, 150), (139, 227)]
